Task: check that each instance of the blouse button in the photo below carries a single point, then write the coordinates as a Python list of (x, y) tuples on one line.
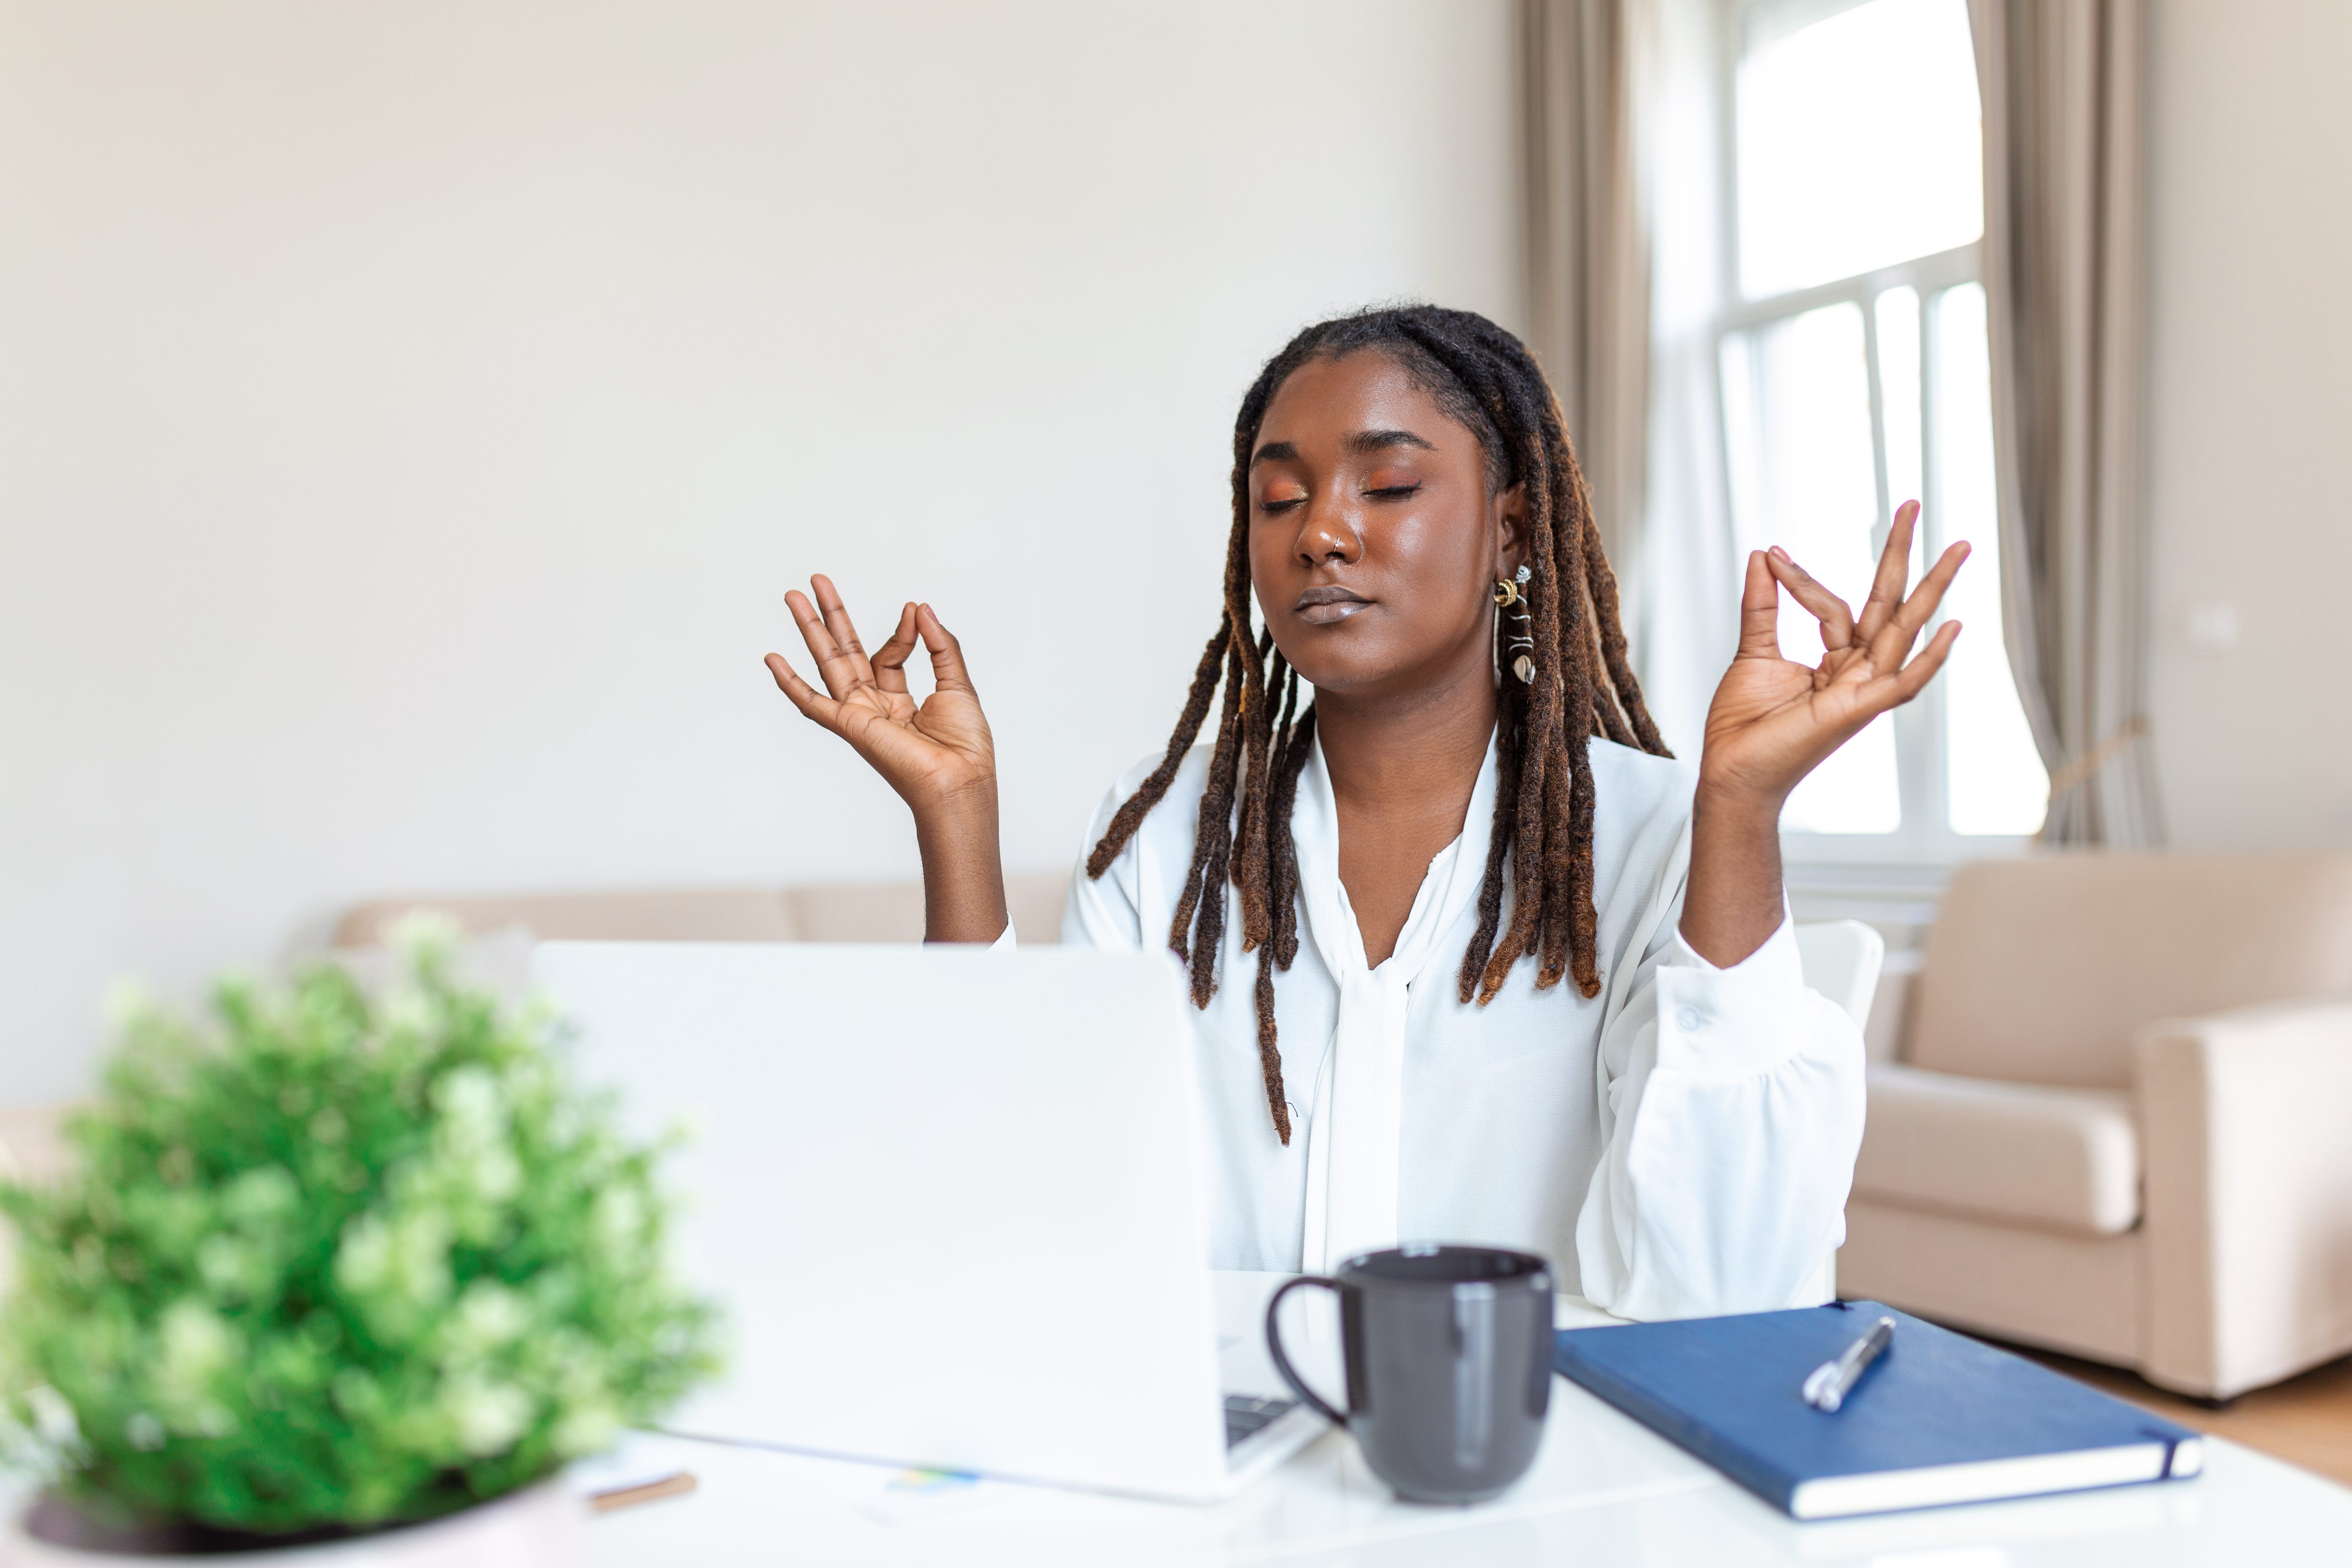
[(1687, 1020)]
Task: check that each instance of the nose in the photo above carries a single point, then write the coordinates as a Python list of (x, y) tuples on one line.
[(1326, 534)]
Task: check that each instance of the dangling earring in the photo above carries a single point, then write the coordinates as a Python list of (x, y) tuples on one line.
[(1507, 595)]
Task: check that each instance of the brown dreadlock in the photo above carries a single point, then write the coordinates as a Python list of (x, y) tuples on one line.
[(1583, 687)]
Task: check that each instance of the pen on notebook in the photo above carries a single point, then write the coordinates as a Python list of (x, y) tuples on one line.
[(1833, 1380)]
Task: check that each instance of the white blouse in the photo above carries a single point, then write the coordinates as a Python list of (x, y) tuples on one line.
[(1679, 1145)]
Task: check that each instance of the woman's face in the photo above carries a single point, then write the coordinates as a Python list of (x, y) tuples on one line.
[(1373, 543)]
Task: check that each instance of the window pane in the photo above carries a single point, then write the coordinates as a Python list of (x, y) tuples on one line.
[(1797, 419), (1899, 393), (1856, 791), (1997, 780), (1858, 139)]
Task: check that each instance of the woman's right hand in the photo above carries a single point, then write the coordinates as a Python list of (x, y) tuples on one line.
[(938, 753), (932, 753)]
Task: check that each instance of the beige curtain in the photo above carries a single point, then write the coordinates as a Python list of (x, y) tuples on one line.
[(2064, 150), (1588, 251)]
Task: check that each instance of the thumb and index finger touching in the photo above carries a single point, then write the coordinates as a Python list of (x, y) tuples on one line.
[(918, 623), (1769, 571), (946, 654)]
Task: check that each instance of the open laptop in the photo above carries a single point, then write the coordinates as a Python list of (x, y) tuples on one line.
[(950, 1200)]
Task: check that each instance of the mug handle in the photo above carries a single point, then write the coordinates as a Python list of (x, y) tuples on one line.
[(1282, 1362)]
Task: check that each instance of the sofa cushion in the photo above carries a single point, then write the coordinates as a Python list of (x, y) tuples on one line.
[(496, 961), (893, 912), (864, 911), (2063, 1159), (666, 914), (2040, 970)]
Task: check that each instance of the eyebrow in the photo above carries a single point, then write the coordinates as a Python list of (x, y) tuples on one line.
[(1363, 443)]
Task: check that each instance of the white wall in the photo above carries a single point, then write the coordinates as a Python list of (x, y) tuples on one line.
[(2252, 420), (411, 415)]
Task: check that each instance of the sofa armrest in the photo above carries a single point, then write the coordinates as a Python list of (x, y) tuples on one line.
[(2247, 1159)]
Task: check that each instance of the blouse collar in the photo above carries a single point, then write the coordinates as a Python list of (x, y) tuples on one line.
[(1452, 881)]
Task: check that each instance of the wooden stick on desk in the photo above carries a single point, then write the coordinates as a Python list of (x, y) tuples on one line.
[(647, 1492)]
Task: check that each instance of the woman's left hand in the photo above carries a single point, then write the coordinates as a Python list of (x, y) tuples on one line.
[(1774, 721)]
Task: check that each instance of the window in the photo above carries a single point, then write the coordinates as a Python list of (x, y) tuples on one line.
[(1855, 376)]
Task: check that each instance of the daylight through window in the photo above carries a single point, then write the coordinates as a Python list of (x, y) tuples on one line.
[(1855, 376)]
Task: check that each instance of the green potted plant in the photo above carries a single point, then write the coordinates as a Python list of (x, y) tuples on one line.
[(340, 1274)]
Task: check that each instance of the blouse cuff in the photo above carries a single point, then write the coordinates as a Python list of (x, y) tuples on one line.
[(1777, 953), (1737, 1021)]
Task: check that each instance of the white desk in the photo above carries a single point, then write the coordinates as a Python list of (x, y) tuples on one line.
[(1642, 1503), (1604, 1491)]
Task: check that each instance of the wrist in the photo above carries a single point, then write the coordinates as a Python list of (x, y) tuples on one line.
[(957, 836), (1734, 900), (953, 812), (1736, 806), (963, 876)]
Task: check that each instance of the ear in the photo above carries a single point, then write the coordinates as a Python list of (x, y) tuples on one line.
[(1509, 515)]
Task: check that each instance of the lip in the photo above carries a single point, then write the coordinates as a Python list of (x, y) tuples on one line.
[(1327, 606)]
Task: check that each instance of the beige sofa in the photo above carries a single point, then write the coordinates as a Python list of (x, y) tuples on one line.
[(2122, 1122), (868, 911)]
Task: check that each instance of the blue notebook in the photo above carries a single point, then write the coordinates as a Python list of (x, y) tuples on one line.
[(1939, 1418)]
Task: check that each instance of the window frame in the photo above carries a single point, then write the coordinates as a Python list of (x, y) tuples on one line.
[(1924, 847)]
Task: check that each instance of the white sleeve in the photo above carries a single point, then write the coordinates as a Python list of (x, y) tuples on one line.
[(1731, 1109)]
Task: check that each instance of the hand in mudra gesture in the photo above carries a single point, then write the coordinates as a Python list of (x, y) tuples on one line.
[(1773, 721), (937, 754), (932, 752)]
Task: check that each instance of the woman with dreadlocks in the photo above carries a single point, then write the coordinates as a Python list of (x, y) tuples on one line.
[(1473, 956)]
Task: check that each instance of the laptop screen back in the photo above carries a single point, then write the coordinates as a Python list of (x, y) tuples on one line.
[(948, 1199)]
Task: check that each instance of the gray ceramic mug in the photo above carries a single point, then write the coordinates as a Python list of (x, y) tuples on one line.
[(1448, 1352)]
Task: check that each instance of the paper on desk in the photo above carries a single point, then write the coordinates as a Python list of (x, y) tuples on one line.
[(889, 1494)]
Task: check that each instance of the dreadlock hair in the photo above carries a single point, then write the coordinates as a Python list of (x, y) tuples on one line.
[(1582, 686)]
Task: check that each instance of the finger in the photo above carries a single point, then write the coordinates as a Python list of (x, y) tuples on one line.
[(1913, 678), (947, 671), (1903, 627), (1760, 610), (890, 659), (841, 672), (813, 704), (837, 622), (1837, 621), (1894, 572)]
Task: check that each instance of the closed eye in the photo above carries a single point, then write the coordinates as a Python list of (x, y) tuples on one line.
[(1283, 505), (1394, 493)]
